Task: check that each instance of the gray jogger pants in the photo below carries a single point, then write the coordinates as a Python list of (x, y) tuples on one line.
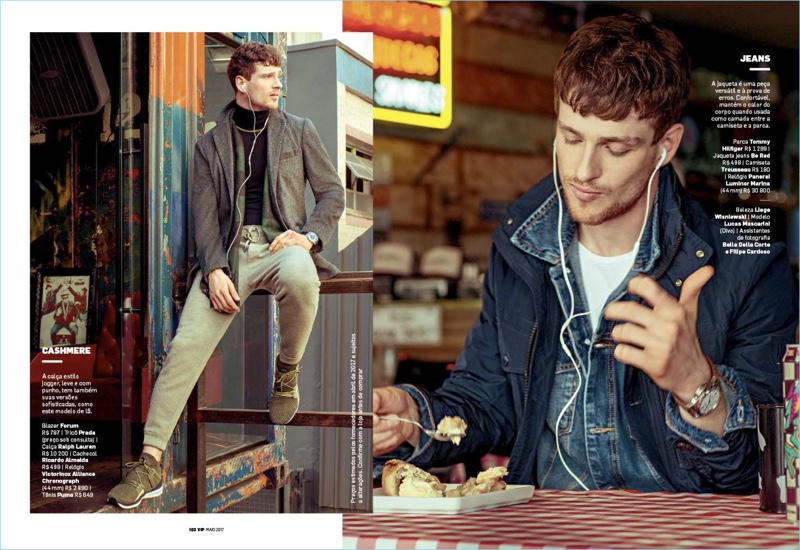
[(289, 274)]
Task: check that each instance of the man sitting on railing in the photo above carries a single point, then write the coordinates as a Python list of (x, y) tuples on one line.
[(252, 232)]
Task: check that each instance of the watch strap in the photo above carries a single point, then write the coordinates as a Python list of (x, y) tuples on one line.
[(693, 406)]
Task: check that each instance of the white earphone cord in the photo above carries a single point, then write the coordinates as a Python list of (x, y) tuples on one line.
[(250, 169), (572, 314)]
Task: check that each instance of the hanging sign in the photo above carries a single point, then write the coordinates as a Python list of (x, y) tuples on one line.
[(412, 61)]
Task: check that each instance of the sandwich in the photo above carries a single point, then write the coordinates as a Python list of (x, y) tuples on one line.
[(406, 480), (401, 479)]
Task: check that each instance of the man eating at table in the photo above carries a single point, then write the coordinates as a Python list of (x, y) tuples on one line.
[(620, 343)]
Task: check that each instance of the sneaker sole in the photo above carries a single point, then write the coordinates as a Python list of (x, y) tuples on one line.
[(151, 494)]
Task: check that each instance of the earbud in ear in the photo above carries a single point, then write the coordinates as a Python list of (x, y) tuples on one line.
[(662, 158)]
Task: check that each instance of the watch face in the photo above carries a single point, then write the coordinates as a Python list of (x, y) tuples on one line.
[(709, 401), (312, 237)]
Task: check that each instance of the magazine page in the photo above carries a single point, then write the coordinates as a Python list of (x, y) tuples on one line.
[(585, 273), (200, 279), (585, 292)]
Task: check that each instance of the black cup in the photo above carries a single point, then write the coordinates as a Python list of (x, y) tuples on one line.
[(771, 462)]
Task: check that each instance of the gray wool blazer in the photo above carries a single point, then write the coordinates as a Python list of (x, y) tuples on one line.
[(295, 155)]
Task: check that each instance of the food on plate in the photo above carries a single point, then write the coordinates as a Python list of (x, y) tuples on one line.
[(488, 481), (406, 480), (401, 479), (453, 427), (416, 487)]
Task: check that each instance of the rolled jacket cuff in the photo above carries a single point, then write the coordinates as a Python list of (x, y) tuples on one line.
[(406, 451), (740, 414)]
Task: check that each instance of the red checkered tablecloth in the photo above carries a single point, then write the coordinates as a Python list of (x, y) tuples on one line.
[(575, 519)]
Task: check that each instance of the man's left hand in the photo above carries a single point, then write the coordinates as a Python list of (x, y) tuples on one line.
[(289, 238), (662, 340)]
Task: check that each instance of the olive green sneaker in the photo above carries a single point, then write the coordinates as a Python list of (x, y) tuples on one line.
[(142, 481), (285, 395)]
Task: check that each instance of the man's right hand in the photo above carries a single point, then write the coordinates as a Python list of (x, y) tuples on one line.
[(222, 292), (387, 435)]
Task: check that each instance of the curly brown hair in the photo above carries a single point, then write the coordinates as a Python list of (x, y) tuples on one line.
[(245, 57), (614, 66)]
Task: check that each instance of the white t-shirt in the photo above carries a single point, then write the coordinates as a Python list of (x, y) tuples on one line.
[(601, 276)]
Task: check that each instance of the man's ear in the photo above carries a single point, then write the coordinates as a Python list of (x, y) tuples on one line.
[(671, 141)]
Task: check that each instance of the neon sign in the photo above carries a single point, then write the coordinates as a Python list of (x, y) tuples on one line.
[(412, 59)]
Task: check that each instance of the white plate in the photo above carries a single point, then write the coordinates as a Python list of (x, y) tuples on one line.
[(513, 494)]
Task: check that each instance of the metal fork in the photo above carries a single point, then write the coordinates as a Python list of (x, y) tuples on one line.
[(433, 434)]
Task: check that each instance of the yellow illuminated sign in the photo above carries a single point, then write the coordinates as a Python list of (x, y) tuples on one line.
[(413, 59), (405, 56)]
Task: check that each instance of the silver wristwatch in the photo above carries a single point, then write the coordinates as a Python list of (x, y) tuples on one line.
[(705, 399), (313, 237)]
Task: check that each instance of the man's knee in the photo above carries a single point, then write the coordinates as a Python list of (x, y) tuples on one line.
[(297, 273)]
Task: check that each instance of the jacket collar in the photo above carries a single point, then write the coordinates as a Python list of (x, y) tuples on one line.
[(535, 234)]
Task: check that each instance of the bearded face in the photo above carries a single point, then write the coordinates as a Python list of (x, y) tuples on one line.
[(604, 166)]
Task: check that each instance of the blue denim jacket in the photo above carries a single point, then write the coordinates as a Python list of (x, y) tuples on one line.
[(594, 431), (504, 377)]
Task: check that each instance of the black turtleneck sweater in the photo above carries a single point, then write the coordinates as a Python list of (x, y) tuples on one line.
[(254, 189)]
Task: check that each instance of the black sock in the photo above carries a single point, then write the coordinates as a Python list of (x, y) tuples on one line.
[(280, 366)]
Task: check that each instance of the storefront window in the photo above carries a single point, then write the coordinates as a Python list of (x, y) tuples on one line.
[(358, 185), (88, 250)]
